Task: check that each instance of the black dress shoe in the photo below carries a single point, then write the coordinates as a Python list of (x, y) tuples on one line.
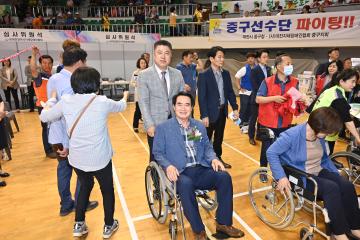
[(136, 130), (2, 184), (226, 165), (92, 205), (252, 141), (4, 174)]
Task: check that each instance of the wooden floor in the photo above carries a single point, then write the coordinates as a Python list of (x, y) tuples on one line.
[(29, 205)]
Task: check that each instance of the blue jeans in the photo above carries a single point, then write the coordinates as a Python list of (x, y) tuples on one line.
[(64, 173)]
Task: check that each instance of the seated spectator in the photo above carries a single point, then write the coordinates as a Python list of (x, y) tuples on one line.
[(281, 11), (327, 3), (3, 141), (236, 8), (257, 12), (303, 147), (139, 17), (28, 19), (7, 18), (52, 20), (268, 13), (198, 168), (277, 6), (315, 4), (306, 9), (246, 14), (321, 9), (290, 5), (86, 115), (215, 9), (69, 19), (78, 20), (38, 22)]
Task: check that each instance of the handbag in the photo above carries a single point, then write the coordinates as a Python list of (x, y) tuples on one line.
[(80, 115)]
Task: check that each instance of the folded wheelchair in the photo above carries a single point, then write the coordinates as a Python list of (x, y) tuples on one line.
[(163, 199), (277, 209)]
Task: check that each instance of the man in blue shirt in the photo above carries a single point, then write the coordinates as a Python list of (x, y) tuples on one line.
[(189, 72), (73, 58)]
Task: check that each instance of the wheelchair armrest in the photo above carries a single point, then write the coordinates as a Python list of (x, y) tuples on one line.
[(291, 169)]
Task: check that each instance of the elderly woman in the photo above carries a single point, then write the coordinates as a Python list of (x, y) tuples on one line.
[(304, 148), (90, 150), (9, 82)]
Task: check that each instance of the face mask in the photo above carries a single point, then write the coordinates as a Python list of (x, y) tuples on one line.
[(288, 70)]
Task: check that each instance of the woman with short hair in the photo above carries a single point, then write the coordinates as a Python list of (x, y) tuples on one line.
[(9, 82), (90, 151), (303, 147)]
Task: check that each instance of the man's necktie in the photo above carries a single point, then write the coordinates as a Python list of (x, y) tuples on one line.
[(164, 82)]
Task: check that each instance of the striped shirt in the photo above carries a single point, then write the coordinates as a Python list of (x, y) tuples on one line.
[(89, 147)]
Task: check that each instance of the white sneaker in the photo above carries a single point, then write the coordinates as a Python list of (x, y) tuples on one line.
[(80, 229), (109, 230), (245, 129)]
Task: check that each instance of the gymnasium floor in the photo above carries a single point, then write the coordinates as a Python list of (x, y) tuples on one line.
[(29, 204)]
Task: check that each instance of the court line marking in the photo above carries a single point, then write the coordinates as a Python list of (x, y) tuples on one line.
[(246, 226), (128, 218), (242, 153), (242, 222), (241, 194)]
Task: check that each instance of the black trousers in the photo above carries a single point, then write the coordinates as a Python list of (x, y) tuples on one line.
[(13, 92), (331, 146), (137, 116), (266, 144), (31, 93), (105, 179), (254, 111), (45, 135), (173, 31), (217, 129), (245, 108), (340, 200), (197, 29), (150, 143)]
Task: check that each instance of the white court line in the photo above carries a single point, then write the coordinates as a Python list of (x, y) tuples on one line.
[(244, 224), (254, 191), (143, 217), (124, 205), (244, 154)]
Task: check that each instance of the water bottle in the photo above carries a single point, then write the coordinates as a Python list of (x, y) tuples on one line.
[(237, 122)]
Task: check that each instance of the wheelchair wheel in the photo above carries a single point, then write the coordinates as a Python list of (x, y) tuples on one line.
[(155, 192), (273, 208), (351, 162), (173, 229), (305, 234), (207, 201)]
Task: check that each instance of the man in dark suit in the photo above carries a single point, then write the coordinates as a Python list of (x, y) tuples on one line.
[(194, 167), (214, 92), (334, 54), (258, 74)]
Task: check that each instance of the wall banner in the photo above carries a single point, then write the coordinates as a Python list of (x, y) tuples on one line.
[(42, 35), (319, 26)]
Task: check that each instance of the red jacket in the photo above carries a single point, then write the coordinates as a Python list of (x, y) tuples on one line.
[(269, 112)]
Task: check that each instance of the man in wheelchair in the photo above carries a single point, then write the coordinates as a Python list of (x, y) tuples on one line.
[(183, 150), (303, 147)]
